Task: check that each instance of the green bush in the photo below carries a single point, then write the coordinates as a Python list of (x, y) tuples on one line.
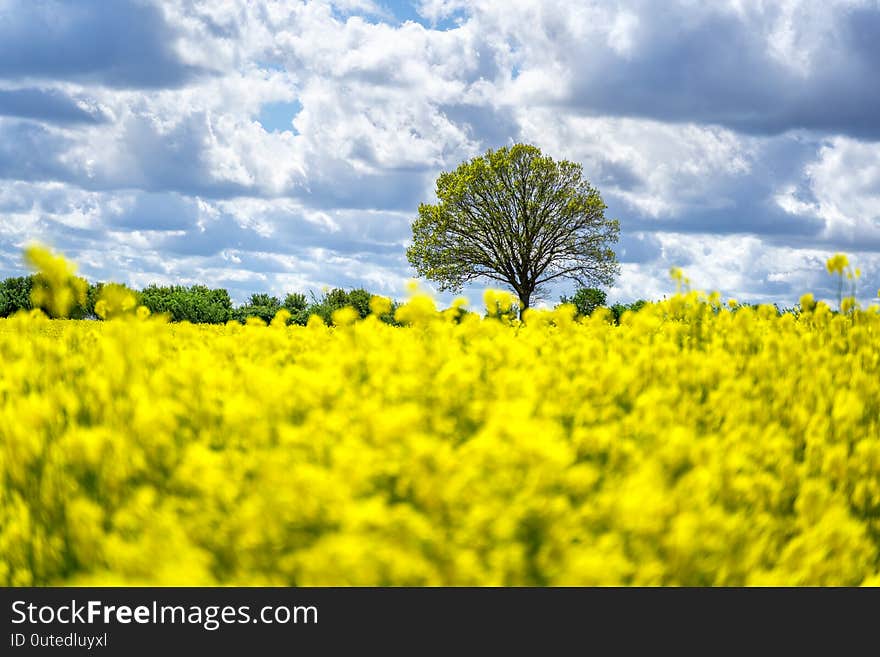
[(196, 304), (259, 305), (618, 309), (337, 298), (586, 300), (15, 295), (779, 311), (298, 306)]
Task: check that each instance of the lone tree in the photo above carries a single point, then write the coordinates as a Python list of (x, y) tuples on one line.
[(517, 217)]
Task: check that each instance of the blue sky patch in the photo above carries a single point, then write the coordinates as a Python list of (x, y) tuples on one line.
[(278, 116)]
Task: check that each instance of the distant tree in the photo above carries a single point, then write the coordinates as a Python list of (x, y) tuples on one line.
[(295, 301), (618, 309), (298, 306), (586, 300), (266, 300), (337, 298), (359, 299), (259, 305), (92, 296), (15, 295), (197, 304), (516, 217)]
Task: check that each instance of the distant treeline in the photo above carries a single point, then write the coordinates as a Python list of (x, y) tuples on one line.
[(587, 299), (203, 305), (200, 304)]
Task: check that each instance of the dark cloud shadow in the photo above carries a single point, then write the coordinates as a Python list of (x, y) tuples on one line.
[(718, 70), (29, 151), (157, 211), (119, 43), (46, 105)]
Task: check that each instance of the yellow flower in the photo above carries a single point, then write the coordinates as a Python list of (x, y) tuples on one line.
[(344, 316), (115, 301), (807, 303), (56, 288), (280, 319), (420, 309), (498, 302), (837, 263), (380, 305), (684, 445)]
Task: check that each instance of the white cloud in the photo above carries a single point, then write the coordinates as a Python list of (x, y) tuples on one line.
[(737, 138), (846, 183), (658, 168)]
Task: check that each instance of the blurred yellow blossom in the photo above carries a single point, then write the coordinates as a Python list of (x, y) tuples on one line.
[(692, 444), (115, 301), (56, 287), (837, 263)]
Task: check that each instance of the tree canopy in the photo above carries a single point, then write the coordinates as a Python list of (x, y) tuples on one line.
[(517, 217)]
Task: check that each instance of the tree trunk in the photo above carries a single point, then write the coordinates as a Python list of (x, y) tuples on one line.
[(523, 302)]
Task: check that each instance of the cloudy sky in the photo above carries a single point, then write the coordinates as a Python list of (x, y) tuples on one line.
[(278, 145)]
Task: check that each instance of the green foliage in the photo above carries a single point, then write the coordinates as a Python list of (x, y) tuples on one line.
[(15, 295), (92, 295), (324, 306), (79, 306), (196, 304), (458, 313), (199, 304), (516, 217), (260, 305), (755, 306), (359, 299), (298, 306), (618, 309), (586, 300), (295, 301), (337, 298)]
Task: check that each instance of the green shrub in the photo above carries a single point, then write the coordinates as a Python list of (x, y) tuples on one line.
[(337, 298), (298, 306), (196, 304), (618, 309), (15, 295), (586, 300), (259, 305)]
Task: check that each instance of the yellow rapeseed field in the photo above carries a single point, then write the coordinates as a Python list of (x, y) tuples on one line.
[(695, 444)]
